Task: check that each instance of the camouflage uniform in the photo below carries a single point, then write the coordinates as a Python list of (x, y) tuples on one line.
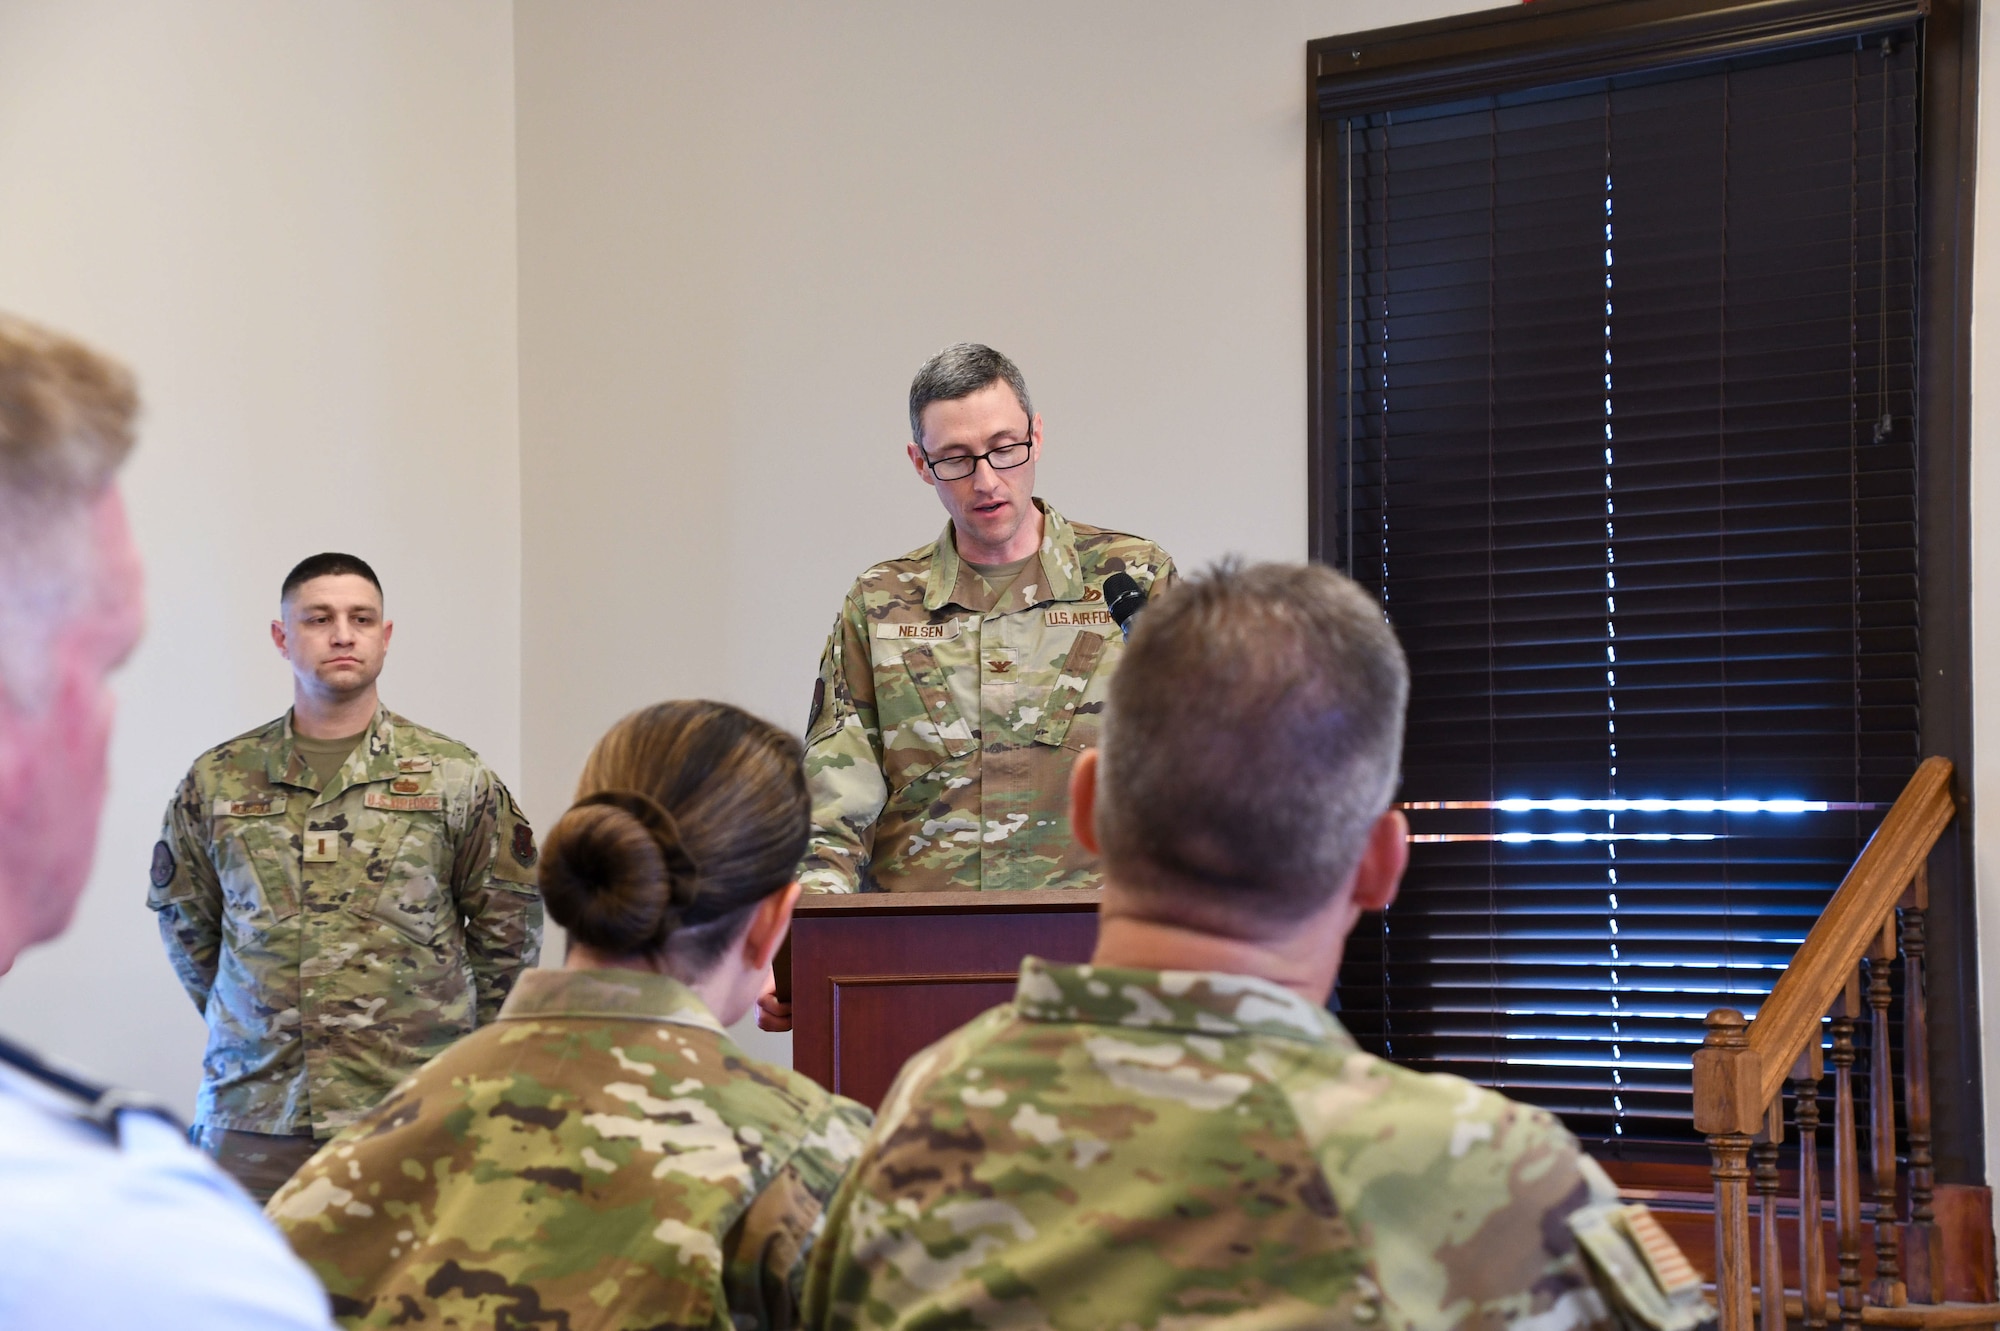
[(1126, 1148), (335, 939), (600, 1157), (944, 724)]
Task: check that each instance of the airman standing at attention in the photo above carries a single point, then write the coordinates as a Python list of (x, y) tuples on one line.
[(342, 892), (1179, 1133), (962, 679)]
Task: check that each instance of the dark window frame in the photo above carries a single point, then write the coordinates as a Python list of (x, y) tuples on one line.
[(1556, 40)]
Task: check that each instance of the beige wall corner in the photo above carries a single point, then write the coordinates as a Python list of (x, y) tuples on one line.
[(1985, 501)]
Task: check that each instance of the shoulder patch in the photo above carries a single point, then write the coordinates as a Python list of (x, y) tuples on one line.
[(1670, 1266), (1627, 1277), (524, 844), (819, 703), (163, 864)]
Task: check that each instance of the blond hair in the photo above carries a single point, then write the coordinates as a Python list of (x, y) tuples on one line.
[(66, 418)]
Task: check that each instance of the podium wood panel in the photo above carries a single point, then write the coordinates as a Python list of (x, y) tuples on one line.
[(877, 976)]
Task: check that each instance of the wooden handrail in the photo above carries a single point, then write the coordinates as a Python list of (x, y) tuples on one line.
[(1741, 1069), (1734, 1085)]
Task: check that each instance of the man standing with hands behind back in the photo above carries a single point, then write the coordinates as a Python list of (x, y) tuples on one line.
[(962, 679), (343, 893)]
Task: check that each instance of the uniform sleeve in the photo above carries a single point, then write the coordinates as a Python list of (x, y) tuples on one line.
[(839, 1283), (1549, 1179), (767, 1252), (843, 760), (493, 883), (186, 895), (149, 1235), (1164, 579), (1468, 1197)]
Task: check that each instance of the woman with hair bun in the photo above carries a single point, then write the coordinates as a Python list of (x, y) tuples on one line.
[(602, 1156)]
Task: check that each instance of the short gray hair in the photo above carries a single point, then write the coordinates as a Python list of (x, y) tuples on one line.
[(961, 370), (66, 415), (1253, 735)]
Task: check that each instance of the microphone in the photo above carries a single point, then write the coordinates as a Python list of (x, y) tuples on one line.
[(1124, 600)]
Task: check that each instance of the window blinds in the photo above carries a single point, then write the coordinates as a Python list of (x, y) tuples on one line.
[(1619, 425)]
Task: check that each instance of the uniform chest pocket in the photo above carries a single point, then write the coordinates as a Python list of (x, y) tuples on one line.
[(256, 858), (404, 855), (933, 730), (1070, 720)]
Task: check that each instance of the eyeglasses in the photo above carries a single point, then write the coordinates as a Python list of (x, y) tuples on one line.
[(961, 465)]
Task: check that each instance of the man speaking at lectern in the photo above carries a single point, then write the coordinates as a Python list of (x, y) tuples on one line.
[(962, 679)]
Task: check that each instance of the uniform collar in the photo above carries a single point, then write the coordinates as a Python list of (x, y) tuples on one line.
[(1192, 1002), (612, 994), (1061, 579), (373, 759)]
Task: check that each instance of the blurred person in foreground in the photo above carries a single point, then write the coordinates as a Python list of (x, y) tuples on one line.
[(602, 1156), (1179, 1132), (107, 1217), (342, 891)]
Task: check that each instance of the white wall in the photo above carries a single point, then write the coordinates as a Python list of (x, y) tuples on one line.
[(743, 227), (296, 221), (1985, 501)]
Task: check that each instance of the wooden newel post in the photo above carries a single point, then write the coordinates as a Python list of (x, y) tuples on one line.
[(1726, 1110)]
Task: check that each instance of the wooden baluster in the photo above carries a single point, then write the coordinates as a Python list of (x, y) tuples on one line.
[(1922, 1265), (1770, 1253), (1728, 1039), (1846, 1157), (1812, 1238), (1887, 1289)]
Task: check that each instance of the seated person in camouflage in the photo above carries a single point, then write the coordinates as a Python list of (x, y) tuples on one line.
[(1179, 1133), (342, 892), (603, 1157)]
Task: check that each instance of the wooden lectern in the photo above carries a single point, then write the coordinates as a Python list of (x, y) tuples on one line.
[(877, 976)]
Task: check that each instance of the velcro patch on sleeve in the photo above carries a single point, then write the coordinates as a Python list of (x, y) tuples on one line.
[(163, 864), (375, 799), (919, 632), (1670, 1265), (1625, 1278)]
